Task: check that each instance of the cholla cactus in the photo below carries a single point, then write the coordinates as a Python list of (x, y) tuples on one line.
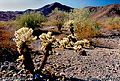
[(80, 44), (64, 43), (20, 58), (86, 43), (24, 35), (71, 27), (71, 42), (47, 39), (77, 48), (72, 38), (68, 42), (70, 22)]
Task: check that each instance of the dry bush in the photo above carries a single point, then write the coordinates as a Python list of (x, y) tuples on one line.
[(112, 27), (112, 24), (89, 30), (7, 46)]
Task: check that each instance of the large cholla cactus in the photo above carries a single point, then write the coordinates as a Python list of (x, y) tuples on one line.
[(24, 35)]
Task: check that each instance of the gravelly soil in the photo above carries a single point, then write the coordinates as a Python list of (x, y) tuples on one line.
[(101, 62)]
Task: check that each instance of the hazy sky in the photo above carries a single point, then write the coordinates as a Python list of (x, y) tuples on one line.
[(18, 5)]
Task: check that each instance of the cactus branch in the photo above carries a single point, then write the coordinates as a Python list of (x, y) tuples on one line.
[(46, 54), (27, 58)]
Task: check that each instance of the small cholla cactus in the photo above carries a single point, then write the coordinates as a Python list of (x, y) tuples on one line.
[(80, 44), (72, 38), (24, 35), (86, 43), (64, 43), (71, 27), (70, 22), (47, 39), (77, 48), (20, 58), (71, 42)]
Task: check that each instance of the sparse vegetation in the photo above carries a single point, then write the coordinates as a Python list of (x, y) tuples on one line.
[(57, 18), (113, 21), (7, 46), (113, 24), (30, 19), (80, 34), (88, 30)]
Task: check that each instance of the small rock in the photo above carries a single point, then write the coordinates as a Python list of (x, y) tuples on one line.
[(11, 68), (68, 69), (83, 53), (4, 67)]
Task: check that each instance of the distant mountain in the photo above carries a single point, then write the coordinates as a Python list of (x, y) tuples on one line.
[(47, 9), (9, 15), (104, 12), (98, 13)]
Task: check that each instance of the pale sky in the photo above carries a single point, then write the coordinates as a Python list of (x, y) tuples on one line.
[(21, 5)]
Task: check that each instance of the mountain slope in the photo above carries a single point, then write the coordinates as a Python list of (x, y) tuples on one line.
[(104, 12), (47, 9)]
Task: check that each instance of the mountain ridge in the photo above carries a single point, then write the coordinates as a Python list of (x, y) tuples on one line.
[(101, 13)]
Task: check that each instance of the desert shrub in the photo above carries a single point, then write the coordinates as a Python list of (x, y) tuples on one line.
[(88, 30), (112, 27), (113, 21), (80, 16), (57, 18), (7, 46), (112, 24), (31, 20), (83, 25)]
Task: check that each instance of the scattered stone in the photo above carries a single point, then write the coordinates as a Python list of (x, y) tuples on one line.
[(83, 53)]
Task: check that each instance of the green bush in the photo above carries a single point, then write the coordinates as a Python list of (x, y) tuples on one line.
[(57, 18), (80, 16), (31, 20)]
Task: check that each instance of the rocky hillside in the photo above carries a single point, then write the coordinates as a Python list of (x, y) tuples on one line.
[(104, 12)]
